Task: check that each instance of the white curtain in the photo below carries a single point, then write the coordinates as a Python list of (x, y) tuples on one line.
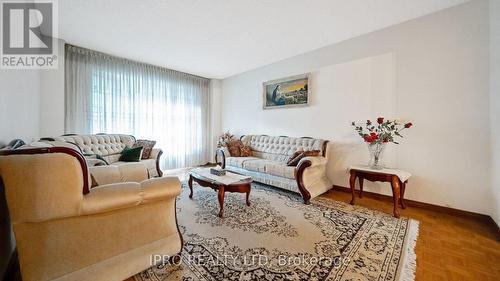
[(106, 94)]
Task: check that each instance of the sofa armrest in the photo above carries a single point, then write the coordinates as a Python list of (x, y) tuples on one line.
[(129, 172), (111, 197), (116, 196), (314, 161), (156, 154), (161, 188), (305, 163), (220, 156)]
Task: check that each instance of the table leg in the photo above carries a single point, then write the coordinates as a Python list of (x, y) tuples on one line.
[(361, 187), (396, 194), (352, 182), (401, 200), (221, 200), (190, 184), (248, 196)]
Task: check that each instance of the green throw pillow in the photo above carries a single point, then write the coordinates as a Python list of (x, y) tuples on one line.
[(131, 154)]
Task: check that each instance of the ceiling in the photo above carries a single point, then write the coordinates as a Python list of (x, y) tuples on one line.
[(221, 38)]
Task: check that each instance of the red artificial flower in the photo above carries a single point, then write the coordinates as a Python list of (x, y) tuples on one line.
[(385, 140), (368, 139), (408, 125), (373, 136), (368, 122), (380, 120)]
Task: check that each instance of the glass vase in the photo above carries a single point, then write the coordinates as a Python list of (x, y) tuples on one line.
[(376, 150)]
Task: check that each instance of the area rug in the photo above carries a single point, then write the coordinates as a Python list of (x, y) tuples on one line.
[(280, 238)]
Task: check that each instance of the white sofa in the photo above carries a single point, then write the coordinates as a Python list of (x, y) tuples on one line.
[(110, 146), (268, 163)]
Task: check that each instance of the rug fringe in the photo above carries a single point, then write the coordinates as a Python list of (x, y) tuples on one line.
[(410, 258)]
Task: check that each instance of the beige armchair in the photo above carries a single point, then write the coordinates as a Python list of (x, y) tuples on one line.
[(66, 231)]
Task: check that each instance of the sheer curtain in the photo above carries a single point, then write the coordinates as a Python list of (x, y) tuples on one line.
[(106, 94)]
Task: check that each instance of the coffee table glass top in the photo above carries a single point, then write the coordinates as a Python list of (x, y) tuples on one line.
[(231, 178)]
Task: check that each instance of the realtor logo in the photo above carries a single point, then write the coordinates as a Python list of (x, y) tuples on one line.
[(28, 32)]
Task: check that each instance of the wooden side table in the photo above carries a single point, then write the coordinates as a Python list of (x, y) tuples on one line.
[(397, 178)]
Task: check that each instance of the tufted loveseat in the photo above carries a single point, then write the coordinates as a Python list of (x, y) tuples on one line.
[(268, 164), (110, 146)]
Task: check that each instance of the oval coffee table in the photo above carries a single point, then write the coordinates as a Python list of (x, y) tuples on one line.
[(242, 186)]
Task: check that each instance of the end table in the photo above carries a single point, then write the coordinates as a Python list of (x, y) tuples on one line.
[(397, 178)]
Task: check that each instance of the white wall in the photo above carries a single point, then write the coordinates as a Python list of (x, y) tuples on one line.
[(215, 114), (52, 101), (432, 71), (495, 104), (32, 102), (31, 106), (19, 105), (19, 118)]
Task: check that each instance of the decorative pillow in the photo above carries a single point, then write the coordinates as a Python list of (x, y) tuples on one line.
[(294, 161), (235, 148), (131, 154), (295, 154), (245, 151), (147, 147)]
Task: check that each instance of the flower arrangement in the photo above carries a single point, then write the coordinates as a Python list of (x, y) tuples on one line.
[(384, 131), (379, 134), (224, 139)]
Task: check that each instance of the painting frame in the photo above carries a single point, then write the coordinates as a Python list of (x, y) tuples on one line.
[(289, 79)]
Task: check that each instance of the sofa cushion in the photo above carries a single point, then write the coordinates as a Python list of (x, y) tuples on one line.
[(95, 160), (258, 165), (274, 168), (112, 158), (150, 165), (120, 172), (238, 161), (280, 169)]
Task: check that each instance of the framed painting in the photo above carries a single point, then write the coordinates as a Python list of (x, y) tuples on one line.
[(286, 92)]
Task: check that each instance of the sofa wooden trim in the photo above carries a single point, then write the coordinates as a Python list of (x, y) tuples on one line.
[(56, 149), (158, 170), (222, 163), (306, 196)]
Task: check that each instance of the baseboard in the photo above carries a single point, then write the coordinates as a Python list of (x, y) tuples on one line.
[(495, 227), (427, 206)]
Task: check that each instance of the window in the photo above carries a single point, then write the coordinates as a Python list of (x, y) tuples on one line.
[(106, 94)]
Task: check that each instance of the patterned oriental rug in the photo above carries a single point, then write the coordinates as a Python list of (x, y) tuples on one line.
[(280, 238)]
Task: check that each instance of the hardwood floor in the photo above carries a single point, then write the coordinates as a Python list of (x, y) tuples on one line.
[(449, 246)]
